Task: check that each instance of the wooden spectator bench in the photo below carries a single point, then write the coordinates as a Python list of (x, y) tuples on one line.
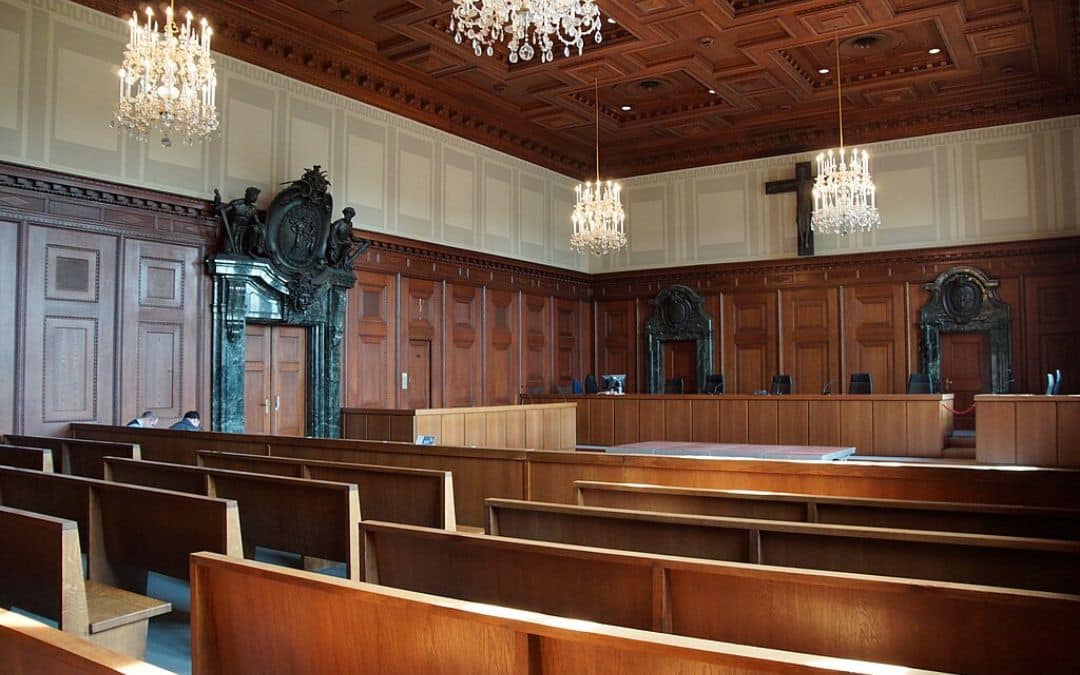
[(30, 647), (79, 457), (249, 617), (1016, 521), (315, 518), (395, 494), (41, 571), (950, 627), (128, 530), (38, 459), (1014, 562)]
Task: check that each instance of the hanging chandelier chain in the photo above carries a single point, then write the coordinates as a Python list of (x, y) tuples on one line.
[(596, 96), (839, 93), (598, 218)]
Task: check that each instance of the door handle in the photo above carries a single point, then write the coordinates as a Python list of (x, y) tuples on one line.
[(948, 384), (266, 406), (277, 403)]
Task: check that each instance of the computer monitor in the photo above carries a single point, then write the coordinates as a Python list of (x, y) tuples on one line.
[(613, 383)]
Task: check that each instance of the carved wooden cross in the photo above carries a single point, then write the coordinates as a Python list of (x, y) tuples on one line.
[(803, 187)]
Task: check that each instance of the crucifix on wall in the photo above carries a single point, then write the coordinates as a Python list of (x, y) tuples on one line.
[(803, 187)]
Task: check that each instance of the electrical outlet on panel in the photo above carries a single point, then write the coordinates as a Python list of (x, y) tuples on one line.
[(404, 380)]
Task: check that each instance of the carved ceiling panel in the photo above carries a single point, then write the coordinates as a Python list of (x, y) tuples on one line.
[(706, 81)]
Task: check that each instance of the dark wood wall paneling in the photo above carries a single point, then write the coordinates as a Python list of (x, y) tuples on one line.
[(493, 328), (823, 319), (102, 301)]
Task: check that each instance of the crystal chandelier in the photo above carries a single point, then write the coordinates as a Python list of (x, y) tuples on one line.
[(598, 216), (167, 80), (844, 194), (531, 25)]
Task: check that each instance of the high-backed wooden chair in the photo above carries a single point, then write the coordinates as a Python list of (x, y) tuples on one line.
[(714, 383), (674, 385)]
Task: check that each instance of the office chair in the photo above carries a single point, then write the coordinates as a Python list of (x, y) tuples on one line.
[(714, 383), (861, 384), (919, 383), (590, 384), (781, 384), (674, 386)]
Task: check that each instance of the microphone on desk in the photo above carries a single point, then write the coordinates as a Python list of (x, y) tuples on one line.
[(827, 389)]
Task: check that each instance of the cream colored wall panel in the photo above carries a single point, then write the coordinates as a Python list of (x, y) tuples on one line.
[(309, 144), (10, 75), (248, 154), (365, 172), (645, 221), (414, 185), (459, 190), (84, 81), (1003, 189), (720, 212), (498, 207), (533, 215), (180, 154)]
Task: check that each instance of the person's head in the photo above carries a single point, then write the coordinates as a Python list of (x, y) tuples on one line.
[(251, 195), (192, 416), (349, 213), (148, 418)]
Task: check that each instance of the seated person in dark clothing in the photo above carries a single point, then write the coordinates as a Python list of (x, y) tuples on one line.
[(146, 420), (189, 422)]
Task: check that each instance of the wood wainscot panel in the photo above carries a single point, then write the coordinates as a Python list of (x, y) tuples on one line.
[(926, 439), (890, 428), (420, 346), (370, 351), (749, 337), (705, 418), (602, 420), (734, 421), (857, 426), (1036, 433), (567, 344), (627, 420), (503, 350), (536, 353), (678, 419), (823, 420), (616, 340), (1052, 322), (762, 421), (995, 441), (793, 422), (463, 380), (650, 420), (810, 338), (874, 336)]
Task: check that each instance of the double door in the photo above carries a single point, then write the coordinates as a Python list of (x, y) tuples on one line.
[(275, 380)]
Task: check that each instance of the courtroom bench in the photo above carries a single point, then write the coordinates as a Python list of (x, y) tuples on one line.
[(37, 459), (952, 627), (315, 518), (30, 647), (1014, 562), (549, 476), (1016, 521), (395, 494), (297, 622), (41, 571), (128, 530), (78, 457)]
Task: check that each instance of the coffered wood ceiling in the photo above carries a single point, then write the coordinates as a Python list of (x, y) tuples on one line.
[(1001, 61)]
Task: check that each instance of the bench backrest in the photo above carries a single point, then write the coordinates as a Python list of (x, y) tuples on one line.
[(314, 517), (78, 457), (1016, 521), (30, 648), (733, 602), (41, 568), (1035, 564), (128, 526), (295, 621), (38, 459), (396, 494)]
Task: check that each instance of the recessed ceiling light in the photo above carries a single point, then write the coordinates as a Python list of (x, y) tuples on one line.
[(712, 91), (627, 108), (823, 71), (611, 20), (935, 50)]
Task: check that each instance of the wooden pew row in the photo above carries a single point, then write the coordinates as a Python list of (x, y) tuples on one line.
[(936, 625), (30, 647), (79, 457), (549, 476), (398, 495), (313, 517), (294, 622), (1014, 521), (37, 459), (127, 530), (41, 571), (1012, 562)]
